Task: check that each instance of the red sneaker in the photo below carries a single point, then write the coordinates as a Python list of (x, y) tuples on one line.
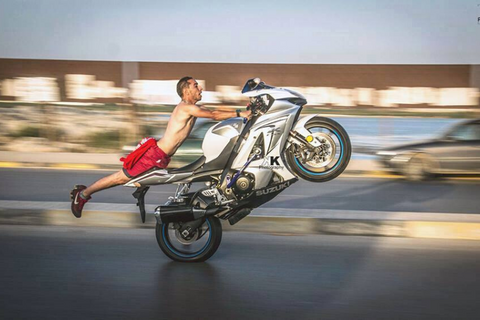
[(77, 201)]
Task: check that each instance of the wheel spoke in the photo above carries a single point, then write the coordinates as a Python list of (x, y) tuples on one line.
[(326, 155)]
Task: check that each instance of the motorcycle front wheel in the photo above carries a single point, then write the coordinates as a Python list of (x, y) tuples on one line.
[(198, 247), (327, 161)]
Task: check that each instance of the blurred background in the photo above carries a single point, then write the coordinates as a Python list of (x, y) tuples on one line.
[(107, 106), (97, 76)]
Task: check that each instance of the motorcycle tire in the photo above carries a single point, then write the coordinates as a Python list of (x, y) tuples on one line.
[(337, 139), (198, 250)]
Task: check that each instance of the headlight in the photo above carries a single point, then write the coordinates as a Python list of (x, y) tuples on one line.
[(386, 153)]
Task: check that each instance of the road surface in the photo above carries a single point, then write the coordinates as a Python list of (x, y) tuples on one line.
[(95, 273), (343, 193)]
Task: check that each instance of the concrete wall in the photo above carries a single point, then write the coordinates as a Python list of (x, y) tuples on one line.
[(103, 70), (296, 75), (121, 74), (475, 76)]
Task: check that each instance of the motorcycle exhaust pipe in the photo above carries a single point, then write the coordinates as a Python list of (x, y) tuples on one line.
[(169, 214)]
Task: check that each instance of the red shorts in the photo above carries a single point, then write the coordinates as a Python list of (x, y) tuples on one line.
[(153, 157)]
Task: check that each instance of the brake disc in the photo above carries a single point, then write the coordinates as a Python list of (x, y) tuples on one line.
[(322, 155)]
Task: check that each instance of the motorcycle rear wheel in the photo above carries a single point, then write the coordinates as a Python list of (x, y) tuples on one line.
[(322, 169), (200, 247)]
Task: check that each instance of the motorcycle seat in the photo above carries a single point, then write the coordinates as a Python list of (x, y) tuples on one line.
[(147, 172), (189, 167)]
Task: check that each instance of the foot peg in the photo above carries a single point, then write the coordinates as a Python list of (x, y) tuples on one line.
[(139, 194)]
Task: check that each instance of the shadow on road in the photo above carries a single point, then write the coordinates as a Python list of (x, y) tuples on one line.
[(384, 196), (284, 278)]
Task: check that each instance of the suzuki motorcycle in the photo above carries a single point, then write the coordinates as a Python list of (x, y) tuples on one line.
[(246, 163)]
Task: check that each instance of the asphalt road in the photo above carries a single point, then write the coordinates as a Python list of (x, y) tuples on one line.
[(96, 273), (343, 193)]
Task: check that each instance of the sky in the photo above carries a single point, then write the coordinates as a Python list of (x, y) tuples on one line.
[(323, 32)]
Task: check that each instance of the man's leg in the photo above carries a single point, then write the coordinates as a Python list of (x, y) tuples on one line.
[(112, 180), (81, 194)]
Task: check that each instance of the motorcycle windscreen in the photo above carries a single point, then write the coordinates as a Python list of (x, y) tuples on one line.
[(255, 84)]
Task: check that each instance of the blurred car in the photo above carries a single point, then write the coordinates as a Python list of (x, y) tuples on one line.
[(457, 151), (190, 150)]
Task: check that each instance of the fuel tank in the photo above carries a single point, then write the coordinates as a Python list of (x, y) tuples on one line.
[(221, 138)]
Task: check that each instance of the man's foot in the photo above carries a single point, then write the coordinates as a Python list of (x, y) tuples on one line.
[(77, 201)]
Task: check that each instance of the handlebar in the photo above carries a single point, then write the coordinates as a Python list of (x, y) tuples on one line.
[(257, 106)]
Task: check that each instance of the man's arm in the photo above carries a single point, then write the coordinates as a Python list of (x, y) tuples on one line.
[(202, 112)]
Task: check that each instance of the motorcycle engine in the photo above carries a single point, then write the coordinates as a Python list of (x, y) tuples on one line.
[(242, 187), (244, 184)]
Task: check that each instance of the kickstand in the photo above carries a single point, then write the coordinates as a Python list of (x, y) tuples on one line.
[(139, 194)]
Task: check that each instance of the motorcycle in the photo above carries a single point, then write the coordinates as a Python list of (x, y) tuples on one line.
[(246, 163)]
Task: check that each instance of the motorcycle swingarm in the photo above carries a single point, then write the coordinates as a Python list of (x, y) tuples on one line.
[(139, 194)]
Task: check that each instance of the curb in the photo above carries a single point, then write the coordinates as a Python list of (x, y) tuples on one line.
[(66, 166), (111, 167), (259, 224), (94, 161), (91, 167)]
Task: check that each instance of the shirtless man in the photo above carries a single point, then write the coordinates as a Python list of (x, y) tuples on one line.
[(151, 153)]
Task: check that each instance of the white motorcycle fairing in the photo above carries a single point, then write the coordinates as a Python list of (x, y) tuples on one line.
[(300, 128)]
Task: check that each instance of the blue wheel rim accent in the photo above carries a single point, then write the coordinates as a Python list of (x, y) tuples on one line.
[(165, 230), (325, 172)]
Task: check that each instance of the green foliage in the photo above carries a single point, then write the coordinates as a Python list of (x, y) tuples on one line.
[(104, 140), (28, 131), (148, 131)]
